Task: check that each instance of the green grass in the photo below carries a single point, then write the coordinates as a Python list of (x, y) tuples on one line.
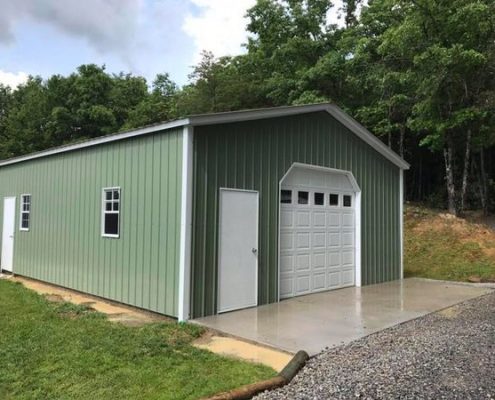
[(62, 351), (445, 249)]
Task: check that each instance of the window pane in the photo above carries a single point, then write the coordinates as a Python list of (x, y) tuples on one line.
[(302, 197), (347, 201), (286, 197), (116, 195), (111, 224), (116, 206), (319, 199), (108, 195), (25, 221), (334, 199), (108, 206)]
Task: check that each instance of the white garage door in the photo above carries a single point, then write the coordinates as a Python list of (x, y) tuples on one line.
[(317, 237)]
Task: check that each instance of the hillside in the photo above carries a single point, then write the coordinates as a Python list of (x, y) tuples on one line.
[(441, 246)]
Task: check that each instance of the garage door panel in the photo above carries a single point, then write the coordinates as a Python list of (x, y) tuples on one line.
[(319, 281), (303, 284), (334, 279), (348, 220), (286, 286), (286, 241), (319, 219), (303, 219), (302, 240), (286, 219), (348, 258), (333, 239), (302, 262), (334, 259), (348, 277), (319, 240), (347, 238), (286, 263), (318, 261), (333, 220)]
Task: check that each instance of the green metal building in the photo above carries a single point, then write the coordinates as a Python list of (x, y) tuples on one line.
[(210, 213)]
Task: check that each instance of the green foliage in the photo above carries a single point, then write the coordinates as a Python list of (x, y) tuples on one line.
[(417, 73), (63, 351)]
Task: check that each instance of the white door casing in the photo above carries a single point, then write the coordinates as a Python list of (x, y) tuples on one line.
[(319, 246), (6, 262), (238, 250)]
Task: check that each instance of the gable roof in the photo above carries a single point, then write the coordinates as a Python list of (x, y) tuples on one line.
[(228, 117)]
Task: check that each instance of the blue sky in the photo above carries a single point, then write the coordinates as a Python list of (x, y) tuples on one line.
[(144, 37)]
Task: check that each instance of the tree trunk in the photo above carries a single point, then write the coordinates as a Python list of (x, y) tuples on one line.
[(449, 177), (483, 183), (402, 132), (465, 172)]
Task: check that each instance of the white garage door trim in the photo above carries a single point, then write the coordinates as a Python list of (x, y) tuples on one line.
[(357, 212)]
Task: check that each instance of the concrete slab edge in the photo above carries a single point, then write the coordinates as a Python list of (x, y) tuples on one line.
[(484, 285), (247, 392), (259, 343)]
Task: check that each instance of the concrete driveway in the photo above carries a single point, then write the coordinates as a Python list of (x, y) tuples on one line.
[(328, 319)]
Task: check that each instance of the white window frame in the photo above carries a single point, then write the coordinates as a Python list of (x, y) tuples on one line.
[(104, 211), (21, 212)]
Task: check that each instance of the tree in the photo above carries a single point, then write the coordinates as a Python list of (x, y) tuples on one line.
[(158, 106), (449, 53)]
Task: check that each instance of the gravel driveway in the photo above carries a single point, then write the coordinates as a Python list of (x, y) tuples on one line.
[(445, 355)]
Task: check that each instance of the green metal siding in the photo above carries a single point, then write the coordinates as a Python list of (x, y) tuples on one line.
[(64, 245), (255, 155)]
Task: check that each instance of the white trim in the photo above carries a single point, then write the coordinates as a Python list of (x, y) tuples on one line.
[(360, 131), (12, 270), (184, 308), (21, 211), (254, 114), (222, 189), (357, 213), (401, 221), (357, 260), (229, 117), (104, 212), (95, 142)]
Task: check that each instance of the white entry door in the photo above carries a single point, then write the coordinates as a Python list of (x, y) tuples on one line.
[(238, 250), (8, 234)]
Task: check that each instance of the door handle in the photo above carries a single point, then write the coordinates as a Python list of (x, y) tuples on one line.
[(255, 251)]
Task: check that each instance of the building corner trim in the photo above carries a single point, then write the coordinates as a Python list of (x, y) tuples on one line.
[(401, 221), (185, 225)]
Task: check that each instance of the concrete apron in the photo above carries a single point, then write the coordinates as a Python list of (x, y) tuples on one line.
[(316, 321)]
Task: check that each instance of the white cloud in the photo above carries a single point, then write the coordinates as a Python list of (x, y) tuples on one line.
[(105, 24), (12, 79), (220, 26)]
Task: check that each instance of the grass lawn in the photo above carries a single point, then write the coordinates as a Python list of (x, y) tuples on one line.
[(439, 246), (62, 351)]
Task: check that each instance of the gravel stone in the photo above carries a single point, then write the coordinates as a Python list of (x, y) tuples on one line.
[(446, 355)]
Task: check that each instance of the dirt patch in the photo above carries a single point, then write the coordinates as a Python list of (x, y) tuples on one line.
[(54, 298), (205, 338), (467, 230), (450, 313)]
